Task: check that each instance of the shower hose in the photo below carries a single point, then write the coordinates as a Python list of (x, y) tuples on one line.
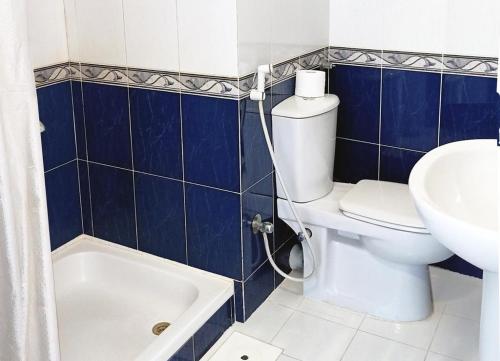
[(303, 232)]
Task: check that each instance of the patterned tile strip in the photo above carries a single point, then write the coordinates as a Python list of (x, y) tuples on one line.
[(237, 88), (465, 65)]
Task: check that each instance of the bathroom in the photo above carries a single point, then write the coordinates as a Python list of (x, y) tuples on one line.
[(152, 141)]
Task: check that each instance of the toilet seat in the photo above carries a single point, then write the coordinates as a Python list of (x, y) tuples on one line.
[(384, 204)]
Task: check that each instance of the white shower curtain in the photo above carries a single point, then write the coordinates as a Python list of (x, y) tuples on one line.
[(28, 323)]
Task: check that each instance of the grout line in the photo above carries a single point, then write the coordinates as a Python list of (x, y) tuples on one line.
[(382, 145), (131, 143), (380, 116), (440, 105), (60, 166), (257, 182), (158, 176)]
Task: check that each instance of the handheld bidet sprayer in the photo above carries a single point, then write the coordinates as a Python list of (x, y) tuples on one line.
[(260, 95)]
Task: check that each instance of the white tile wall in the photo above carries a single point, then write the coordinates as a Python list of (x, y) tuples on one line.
[(47, 32), (254, 34), (101, 37), (458, 27), (151, 34), (208, 37)]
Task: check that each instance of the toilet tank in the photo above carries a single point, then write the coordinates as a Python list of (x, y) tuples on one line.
[(304, 143)]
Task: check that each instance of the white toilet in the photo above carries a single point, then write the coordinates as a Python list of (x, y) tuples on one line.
[(371, 246)]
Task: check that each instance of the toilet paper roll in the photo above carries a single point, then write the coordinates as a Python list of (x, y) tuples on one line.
[(310, 83)]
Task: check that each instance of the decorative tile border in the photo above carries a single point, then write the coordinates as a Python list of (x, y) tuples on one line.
[(52, 74), (237, 88), (457, 64)]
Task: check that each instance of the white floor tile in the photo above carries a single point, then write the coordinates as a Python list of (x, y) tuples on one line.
[(265, 323), (459, 293), (286, 358), (286, 298), (239, 346), (457, 337), (366, 347), (418, 334), (294, 287), (436, 357), (331, 312), (310, 338)]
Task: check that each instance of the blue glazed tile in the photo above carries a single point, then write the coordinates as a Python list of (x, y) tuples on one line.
[(156, 132), (112, 194), (211, 141), (355, 161), (282, 231), (160, 217), (212, 330), (457, 264), (185, 353), (256, 200), (63, 204), (359, 91), (214, 230), (107, 124), (56, 113), (470, 108), (258, 288), (396, 164), (81, 143), (239, 311), (83, 171), (410, 109), (282, 91), (255, 160)]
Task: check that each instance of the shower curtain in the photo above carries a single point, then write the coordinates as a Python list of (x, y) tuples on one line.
[(28, 324)]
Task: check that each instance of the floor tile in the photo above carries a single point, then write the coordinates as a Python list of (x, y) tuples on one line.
[(366, 347), (437, 357), (457, 337), (237, 346), (286, 358), (265, 323), (286, 298), (309, 338), (294, 287), (331, 312), (418, 334)]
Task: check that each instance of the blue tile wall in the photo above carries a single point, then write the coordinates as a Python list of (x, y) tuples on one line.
[(415, 108), (211, 141), (78, 112), (355, 161), (257, 199), (156, 132), (83, 171), (410, 109), (56, 113), (213, 225), (63, 203), (258, 287), (211, 331), (359, 92), (470, 108), (160, 217), (396, 164), (107, 124), (112, 194)]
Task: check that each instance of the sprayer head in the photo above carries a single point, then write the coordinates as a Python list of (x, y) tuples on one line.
[(259, 93)]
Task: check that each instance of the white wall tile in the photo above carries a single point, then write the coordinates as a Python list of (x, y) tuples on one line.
[(356, 23), (101, 37), (314, 24), (72, 29), (473, 28), (286, 29), (254, 34), (208, 37), (413, 25), (151, 34), (47, 32)]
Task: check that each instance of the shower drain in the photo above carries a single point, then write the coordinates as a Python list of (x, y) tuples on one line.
[(160, 327)]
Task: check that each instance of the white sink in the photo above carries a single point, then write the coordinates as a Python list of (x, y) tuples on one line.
[(455, 188)]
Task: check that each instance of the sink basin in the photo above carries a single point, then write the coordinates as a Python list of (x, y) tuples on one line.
[(455, 189)]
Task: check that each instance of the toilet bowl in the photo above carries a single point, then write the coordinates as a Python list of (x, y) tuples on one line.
[(372, 250), (366, 261)]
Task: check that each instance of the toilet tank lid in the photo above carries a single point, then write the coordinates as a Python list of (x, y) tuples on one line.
[(298, 107), (385, 202)]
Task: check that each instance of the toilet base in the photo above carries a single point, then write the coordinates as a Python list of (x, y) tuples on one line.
[(350, 276)]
